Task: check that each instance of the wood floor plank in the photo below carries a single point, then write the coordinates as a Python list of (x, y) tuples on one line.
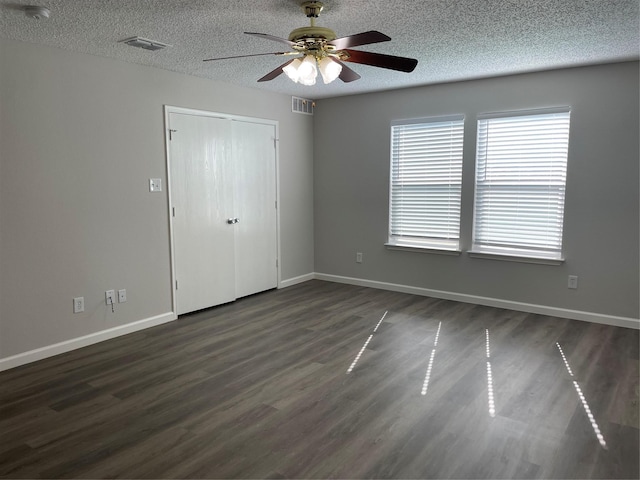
[(269, 387)]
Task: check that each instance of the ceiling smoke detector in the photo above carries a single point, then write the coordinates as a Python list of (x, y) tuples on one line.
[(37, 13)]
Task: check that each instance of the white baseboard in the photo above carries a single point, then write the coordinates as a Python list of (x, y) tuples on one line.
[(626, 322), (75, 343), (295, 280)]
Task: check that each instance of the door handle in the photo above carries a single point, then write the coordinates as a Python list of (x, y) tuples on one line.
[(232, 221)]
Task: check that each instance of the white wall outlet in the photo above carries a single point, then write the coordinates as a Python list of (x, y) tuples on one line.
[(358, 257), (122, 295), (109, 297), (155, 184), (78, 304), (573, 281)]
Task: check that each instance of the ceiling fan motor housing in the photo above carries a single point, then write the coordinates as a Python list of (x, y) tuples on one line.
[(313, 32), (313, 38)]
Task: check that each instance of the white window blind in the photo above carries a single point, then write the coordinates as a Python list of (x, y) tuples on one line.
[(426, 179), (521, 170)]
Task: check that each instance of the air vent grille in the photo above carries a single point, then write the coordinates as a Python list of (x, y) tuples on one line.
[(302, 105), (144, 43)]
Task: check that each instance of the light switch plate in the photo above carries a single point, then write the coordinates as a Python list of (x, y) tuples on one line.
[(155, 184)]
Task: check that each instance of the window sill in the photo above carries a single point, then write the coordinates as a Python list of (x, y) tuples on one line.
[(421, 249), (515, 258)]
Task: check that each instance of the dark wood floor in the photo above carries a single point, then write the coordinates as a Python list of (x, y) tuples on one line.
[(259, 389)]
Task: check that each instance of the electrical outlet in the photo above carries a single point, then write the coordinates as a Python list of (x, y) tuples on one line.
[(122, 295), (109, 297), (573, 281), (358, 257), (78, 304)]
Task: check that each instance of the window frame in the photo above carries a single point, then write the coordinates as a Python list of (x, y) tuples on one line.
[(525, 254), (429, 244)]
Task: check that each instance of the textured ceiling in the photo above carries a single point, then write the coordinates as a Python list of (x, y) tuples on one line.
[(452, 39)]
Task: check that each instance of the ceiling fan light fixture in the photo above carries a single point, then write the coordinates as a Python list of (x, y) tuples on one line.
[(329, 69), (319, 49), (305, 71)]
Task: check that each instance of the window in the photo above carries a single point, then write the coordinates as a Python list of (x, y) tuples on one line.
[(521, 167), (426, 179)]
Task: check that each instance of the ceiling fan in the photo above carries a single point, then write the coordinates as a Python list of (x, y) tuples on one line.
[(317, 48)]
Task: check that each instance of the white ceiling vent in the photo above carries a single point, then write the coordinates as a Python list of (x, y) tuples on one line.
[(302, 105), (36, 12), (145, 43)]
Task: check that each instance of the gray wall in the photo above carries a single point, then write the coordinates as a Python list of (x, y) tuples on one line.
[(79, 138), (351, 174), (81, 135)]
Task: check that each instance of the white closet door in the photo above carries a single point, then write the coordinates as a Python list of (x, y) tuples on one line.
[(202, 195), (254, 157)]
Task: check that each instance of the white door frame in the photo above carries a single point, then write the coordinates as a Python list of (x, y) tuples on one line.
[(169, 109)]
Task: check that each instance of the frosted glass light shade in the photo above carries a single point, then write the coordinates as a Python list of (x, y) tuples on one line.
[(329, 69), (291, 70), (308, 71)]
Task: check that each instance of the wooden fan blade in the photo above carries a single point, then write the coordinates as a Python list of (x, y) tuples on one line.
[(270, 37), (346, 74), (274, 73), (364, 38), (402, 64), (251, 55)]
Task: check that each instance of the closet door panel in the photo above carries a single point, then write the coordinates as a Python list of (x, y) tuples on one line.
[(254, 158), (202, 184)]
